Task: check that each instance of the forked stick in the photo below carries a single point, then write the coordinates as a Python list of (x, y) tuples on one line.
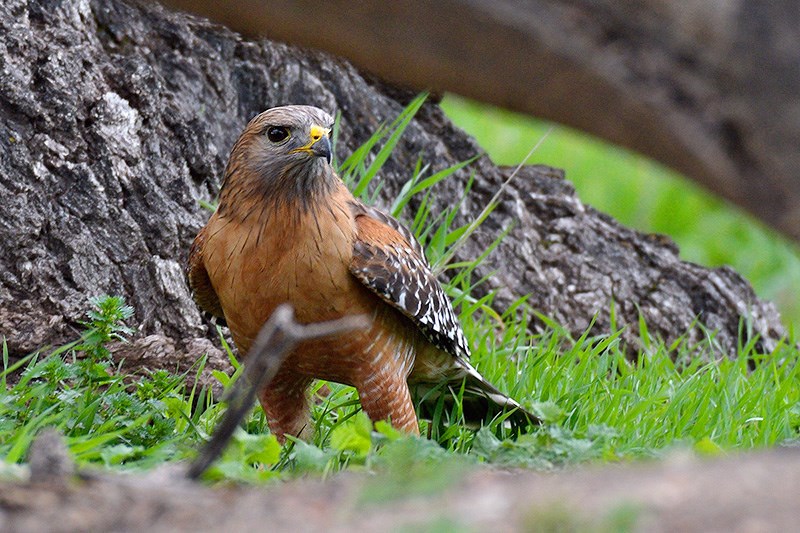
[(274, 342)]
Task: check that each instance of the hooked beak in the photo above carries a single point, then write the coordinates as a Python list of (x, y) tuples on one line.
[(322, 148)]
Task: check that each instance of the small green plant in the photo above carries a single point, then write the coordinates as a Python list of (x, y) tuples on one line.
[(105, 418), (106, 323)]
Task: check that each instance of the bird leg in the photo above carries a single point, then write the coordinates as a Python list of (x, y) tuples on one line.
[(285, 402), (384, 395)]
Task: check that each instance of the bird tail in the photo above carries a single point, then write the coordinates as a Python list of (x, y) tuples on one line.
[(481, 401)]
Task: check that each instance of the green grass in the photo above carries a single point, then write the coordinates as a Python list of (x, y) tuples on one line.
[(595, 403), (645, 195)]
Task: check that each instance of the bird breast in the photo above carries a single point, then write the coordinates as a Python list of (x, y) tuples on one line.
[(283, 254)]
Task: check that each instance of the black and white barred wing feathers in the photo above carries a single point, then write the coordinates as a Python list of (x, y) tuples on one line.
[(390, 262)]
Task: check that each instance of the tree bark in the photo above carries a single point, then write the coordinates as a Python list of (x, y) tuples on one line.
[(116, 120), (708, 88)]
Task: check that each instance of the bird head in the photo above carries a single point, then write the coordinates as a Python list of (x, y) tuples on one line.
[(290, 135), (285, 152)]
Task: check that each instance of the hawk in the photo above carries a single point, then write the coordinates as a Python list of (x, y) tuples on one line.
[(287, 230)]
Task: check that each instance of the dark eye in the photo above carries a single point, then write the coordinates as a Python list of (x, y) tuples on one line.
[(277, 134)]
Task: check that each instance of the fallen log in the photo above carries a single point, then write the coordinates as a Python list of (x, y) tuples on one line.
[(705, 88)]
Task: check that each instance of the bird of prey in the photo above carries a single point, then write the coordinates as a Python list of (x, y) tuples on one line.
[(287, 230)]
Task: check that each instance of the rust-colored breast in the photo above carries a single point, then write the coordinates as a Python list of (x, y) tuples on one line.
[(283, 255)]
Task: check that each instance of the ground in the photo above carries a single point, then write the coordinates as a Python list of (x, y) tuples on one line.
[(755, 492)]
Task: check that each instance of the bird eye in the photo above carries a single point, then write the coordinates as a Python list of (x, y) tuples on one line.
[(277, 134)]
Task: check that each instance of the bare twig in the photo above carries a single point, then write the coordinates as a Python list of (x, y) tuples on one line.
[(274, 342)]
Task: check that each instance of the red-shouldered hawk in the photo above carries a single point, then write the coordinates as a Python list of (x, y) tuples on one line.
[(288, 230)]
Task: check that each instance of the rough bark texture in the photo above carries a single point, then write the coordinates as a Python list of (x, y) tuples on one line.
[(708, 88), (743, 494), (116, 119)]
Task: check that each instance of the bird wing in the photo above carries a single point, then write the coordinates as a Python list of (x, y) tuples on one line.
[(391, 263), (202, 290)]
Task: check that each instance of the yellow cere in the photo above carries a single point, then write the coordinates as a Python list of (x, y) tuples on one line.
[(318, 132)]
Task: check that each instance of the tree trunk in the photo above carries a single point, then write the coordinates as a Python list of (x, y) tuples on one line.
[(116, 120)]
